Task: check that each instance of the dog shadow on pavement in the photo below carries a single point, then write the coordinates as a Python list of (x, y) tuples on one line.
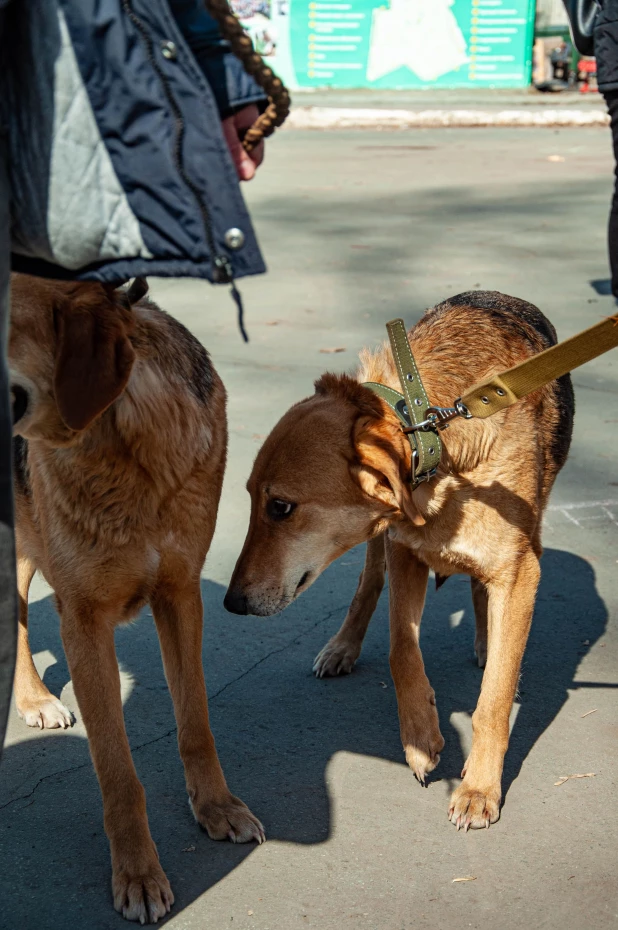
[(276, 727)]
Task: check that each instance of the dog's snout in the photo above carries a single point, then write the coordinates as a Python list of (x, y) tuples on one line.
[(20, 400), (236, 601)]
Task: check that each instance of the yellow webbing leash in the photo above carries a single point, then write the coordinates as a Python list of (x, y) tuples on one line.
[(502, 390)]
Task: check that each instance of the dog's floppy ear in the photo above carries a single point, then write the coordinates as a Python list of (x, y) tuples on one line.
[(383, 473), (94, 356)]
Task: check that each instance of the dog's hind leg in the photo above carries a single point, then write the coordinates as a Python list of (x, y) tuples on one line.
[(35, 703), (479, 599), (341, 652), (476, 803), (178, 613)]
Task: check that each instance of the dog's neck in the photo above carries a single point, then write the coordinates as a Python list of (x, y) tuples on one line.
[(465, 443)]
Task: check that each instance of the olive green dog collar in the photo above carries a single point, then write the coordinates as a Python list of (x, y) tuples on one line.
[(411, 407)]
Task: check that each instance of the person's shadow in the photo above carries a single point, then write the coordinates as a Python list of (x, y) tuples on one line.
[(276, 728)]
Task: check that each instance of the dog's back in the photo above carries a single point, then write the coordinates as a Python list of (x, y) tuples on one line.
[(177, 353), (525, 324)]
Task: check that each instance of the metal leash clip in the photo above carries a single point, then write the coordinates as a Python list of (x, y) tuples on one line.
[(439, 417)]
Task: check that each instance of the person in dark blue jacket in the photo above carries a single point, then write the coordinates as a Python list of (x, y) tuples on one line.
[(606, 54), (594, 28), (120, 156)]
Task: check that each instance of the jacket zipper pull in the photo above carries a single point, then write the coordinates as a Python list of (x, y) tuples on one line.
[(225, 275)]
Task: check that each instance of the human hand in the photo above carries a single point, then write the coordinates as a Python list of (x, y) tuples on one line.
[(234, 128)]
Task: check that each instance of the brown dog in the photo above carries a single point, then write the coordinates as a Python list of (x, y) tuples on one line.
[(119, 458), (335, 472)]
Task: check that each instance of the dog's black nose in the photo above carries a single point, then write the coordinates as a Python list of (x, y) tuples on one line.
[(236, 602)]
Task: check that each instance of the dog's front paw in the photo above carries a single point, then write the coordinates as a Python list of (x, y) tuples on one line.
[(421, 737), (472, 807), (230, 819), (337, 657), (142, 891), (47, 713)]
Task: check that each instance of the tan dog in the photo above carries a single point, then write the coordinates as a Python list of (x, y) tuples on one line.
[(119, 460), (335, 472)]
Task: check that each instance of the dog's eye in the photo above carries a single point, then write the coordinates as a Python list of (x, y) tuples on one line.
[(279, 510)]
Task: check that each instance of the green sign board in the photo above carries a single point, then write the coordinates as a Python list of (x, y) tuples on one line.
[(400, 43)]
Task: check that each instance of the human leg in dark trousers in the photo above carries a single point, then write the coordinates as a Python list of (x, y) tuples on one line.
[(8, 594), (611, 99)]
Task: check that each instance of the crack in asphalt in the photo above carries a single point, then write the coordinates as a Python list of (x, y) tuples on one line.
[(75, 768), (274, 652)]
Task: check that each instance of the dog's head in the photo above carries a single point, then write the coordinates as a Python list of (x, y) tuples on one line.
[(329, 476), (70, 355)]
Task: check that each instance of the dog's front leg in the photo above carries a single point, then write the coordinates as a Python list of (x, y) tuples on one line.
[(178, 614), (418, 717), (476, 803), (140, 888), (340, 653), (35, 704)]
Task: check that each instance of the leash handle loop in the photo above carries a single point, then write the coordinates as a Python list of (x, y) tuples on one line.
[(278, 108)]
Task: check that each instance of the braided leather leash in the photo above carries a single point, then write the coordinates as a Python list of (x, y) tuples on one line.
[(278, 107)]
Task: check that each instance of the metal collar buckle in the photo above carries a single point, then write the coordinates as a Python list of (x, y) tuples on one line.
[(415, 478)]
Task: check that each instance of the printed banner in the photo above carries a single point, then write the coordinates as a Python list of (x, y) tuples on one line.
[(394, 43)]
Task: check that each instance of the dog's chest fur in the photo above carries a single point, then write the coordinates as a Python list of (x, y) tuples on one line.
[(78, 522), (450, 545), (475, 520)]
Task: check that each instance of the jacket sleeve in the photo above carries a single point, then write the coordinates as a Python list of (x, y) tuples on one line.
[(232, 87), (582, 15)]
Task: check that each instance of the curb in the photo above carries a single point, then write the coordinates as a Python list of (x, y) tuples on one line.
[(353, 118)]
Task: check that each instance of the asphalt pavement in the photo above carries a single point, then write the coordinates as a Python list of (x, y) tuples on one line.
[(357, 228)]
